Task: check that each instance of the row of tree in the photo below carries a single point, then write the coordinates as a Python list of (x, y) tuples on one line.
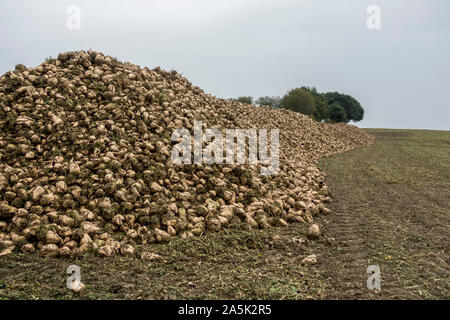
[(329, 106)]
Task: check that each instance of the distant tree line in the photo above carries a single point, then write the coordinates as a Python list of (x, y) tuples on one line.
[(328, 107)]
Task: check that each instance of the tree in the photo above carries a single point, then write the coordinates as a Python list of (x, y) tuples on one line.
[(247, 100), (274, 102), (337, 113), (322, 112), (299, 100), (352, 107)]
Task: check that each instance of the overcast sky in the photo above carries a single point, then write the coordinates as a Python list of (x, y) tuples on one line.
[(399, 73)]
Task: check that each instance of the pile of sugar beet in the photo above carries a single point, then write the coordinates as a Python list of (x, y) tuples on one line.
[(85, 144)]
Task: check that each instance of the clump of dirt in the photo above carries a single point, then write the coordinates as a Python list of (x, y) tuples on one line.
[(85, 160)]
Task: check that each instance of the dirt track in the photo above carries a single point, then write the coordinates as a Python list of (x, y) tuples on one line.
[(391, 209)]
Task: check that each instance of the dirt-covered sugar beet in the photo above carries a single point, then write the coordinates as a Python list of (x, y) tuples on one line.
[(85, 160)]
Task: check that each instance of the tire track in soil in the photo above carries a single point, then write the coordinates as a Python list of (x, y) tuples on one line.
[(375, 223)]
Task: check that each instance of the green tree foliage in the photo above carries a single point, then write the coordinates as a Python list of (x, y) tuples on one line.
[(274, 102), (337, 113), (299, 100), (352, 107), (322, 112), (247, 100), (333, 106)]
